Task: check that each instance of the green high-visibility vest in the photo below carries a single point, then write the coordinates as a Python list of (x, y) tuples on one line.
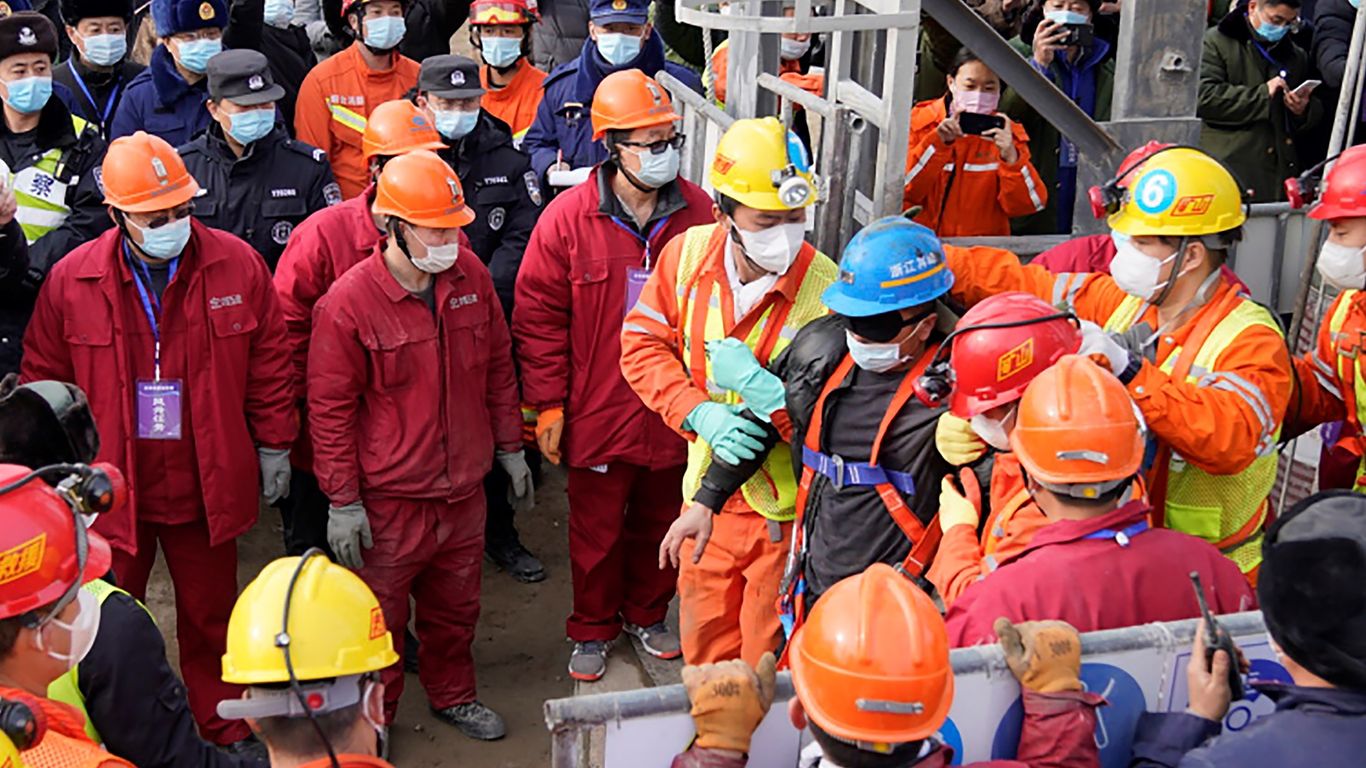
[(41, 189)]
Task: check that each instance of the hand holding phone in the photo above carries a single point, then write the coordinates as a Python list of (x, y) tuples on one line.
[(975, 124), (1216, 638), (1306, 87)]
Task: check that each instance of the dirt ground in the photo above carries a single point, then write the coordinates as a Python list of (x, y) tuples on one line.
[(521, 650)]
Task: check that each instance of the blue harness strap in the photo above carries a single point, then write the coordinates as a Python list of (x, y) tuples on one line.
[(844, 473)]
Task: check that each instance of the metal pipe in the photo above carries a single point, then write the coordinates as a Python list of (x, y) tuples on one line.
[(1346, 95), (834, 168), (1038, 91), (681, 92), (792, 93)]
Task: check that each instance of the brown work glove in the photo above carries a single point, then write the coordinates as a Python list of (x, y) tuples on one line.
[(1045, 656), (729, 700)]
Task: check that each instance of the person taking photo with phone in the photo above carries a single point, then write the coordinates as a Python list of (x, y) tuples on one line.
[(963, 153)]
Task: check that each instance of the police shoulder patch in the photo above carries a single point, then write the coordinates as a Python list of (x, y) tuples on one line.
[(496, 218), (533, 188), (332, 193)]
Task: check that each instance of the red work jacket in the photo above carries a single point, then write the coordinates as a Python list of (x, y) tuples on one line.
[(321, 249), (404, 404), (226, 324), (567, 317), (1095, 583)]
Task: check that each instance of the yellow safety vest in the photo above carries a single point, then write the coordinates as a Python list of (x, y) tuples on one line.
[(1347, 369), (772, 491), (40, 193), (1215, 507), (66, 688)]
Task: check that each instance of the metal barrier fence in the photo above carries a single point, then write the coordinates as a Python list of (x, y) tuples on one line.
[(1137, 668)]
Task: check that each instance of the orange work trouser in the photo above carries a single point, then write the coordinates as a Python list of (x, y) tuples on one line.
[(727, 601)]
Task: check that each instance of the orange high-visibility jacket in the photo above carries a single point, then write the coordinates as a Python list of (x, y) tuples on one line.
[(516, 102), (966, 188)]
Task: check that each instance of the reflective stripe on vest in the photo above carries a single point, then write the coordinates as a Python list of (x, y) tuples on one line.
[(66, 688), (353, 120), (1225, 510), (772, 491), (40, 195), (1347, 350)]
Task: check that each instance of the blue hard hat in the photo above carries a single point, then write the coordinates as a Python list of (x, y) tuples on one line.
[(890, 264)]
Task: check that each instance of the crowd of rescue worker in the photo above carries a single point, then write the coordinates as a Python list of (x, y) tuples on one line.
[(298, 253)]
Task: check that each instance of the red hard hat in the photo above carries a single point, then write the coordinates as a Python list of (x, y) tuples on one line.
[(38, 546), (992, 366), (1136, 158), (1343, 195)]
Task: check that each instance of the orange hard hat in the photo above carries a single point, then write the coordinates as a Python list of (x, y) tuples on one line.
[(396, 127), (421, 189), (630, 99), (144, 173), (1077, 430), (38, 542), (871, 663)]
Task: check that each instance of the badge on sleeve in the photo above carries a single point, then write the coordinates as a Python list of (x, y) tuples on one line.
[(533, 188), (158, 408), (332, 193), (496, 218)]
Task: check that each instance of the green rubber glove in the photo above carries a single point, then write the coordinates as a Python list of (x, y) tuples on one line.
[(734, 367), (731, 436)]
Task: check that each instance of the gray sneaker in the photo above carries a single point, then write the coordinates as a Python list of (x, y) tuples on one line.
[(588, 662), (474, 720), (659, 641)]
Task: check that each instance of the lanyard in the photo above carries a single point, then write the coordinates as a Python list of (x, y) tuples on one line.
[(151, 304), (1121, 537), (644, 239), (109, 105)]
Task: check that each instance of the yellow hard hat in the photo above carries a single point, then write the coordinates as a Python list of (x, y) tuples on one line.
[(9, 754), (1180, 192), (761, 164), (336, 627)]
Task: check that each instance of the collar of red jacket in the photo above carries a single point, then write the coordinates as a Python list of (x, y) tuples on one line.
[(1067, 531), (379, 272), (111, 241)]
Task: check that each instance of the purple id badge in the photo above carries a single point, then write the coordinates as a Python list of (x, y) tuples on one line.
[(158, 409), (635, 281)]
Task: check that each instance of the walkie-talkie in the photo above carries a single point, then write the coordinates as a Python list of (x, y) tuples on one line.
[(1218, 639)]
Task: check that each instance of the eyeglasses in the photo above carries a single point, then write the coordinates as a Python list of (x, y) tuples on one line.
[(657, 147), (166, 217)]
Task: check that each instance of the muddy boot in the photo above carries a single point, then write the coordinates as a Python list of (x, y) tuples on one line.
[(474, 720)]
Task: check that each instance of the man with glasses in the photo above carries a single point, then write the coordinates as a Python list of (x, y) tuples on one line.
[(588, 258), (506, 198), (175, 334), (167, 99)]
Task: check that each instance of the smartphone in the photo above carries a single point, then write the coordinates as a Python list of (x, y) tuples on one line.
[(1305, 87), (976, 125), (1082, 35), (1218, 639)]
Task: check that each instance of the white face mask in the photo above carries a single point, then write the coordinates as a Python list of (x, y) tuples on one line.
[(775, 248), (439, 258), (791, 50), (81, 631), (1342, 265), (1135, 272), (878, 358), (993, 432)]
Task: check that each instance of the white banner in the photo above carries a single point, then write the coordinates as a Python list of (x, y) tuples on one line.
[(1136, 669)]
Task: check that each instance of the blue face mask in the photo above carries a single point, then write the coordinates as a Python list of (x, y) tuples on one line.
[(166, 241), (385, 32), (28, 95), (1355, 3), (658, 170), (105, 50), (195, 54), (618, 49), (500, 51), (455, 124), (1066, 17), (253, 125), (1271, 32), (279, 13)]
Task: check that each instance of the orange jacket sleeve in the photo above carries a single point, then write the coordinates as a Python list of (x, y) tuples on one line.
[(1319, 397), (719, 64), (1022, 192), (650, 358), (957, 564), (312, 120), (925, 163), (981, 271), (812, 83), (1219, 422)]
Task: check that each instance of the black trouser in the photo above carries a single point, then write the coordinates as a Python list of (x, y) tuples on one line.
[(304, 514), (500, 529)]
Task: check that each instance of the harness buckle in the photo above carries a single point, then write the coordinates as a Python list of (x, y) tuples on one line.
[(838, 463)]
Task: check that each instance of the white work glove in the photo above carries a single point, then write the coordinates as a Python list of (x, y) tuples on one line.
[(348, 529), (1102, 347), (521, 491), (275, 473)]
